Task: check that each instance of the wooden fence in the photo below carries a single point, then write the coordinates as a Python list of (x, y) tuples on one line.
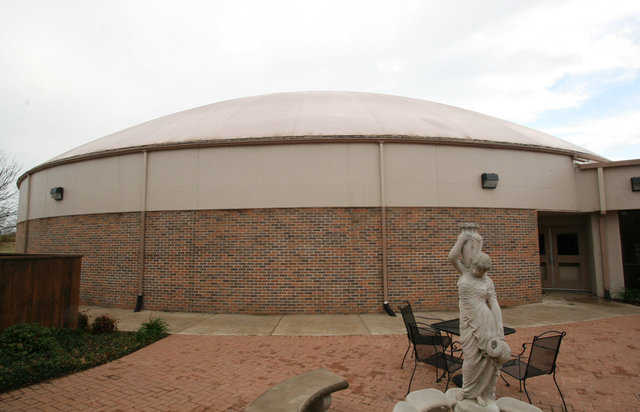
[(44, 289)]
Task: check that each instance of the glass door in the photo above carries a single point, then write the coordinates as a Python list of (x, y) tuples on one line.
[(630, 239), (567, 262)]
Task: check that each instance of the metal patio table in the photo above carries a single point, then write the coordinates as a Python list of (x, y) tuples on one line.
[(453, 327)]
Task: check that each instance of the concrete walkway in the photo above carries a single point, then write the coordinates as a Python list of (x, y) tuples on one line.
[(556, 308)]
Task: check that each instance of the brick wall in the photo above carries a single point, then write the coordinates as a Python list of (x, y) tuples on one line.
[(420, 240), (20, 237), (109, 245), (304, 260)]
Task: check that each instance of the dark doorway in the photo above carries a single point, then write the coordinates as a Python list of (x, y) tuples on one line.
[(630, 238)]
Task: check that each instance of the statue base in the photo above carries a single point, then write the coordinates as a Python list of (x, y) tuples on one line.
[(467, 405), (432, 400)]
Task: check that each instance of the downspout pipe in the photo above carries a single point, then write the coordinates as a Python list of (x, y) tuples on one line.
[(143, 224), (603, 234), (383, 209), (25, 244)]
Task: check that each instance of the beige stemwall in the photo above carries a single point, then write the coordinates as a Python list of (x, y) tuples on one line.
[(587, 189), (596, 256), (22, 200), (614, 255), (310, 175), (313, 175), (430, 175), (613, 249), (112, 184), (617, 183)]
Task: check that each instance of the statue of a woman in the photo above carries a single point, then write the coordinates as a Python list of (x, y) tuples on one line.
[(481, 332)]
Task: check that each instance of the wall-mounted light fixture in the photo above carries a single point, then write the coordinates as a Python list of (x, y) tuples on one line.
[(489, 180), (56, 193), (635, 184)]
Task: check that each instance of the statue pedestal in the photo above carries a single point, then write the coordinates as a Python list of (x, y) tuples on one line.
[(467, 405), (432, 400)]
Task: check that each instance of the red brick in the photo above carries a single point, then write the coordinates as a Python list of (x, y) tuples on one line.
[(300, 260)]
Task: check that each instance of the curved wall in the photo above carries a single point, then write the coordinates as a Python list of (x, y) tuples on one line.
[(310, 175), (289, 260), (112, 184), (296, 228)]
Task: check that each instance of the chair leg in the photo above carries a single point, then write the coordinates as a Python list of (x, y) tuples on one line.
[(561, 397), (405, 355), (411, 380), (505, 381), (525, 391), (520, 374), (448, 380)]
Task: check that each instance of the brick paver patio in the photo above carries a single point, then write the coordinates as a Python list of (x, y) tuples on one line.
[(599, 368)]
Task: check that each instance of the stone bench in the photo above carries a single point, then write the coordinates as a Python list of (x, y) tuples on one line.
[(309, 392)]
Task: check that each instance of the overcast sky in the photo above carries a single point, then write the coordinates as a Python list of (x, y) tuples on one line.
[(73, 71)]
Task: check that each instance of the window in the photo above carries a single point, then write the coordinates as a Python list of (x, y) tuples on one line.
[(568, 244)]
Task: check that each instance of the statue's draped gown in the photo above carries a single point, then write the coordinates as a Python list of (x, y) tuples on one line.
[(477, 325)]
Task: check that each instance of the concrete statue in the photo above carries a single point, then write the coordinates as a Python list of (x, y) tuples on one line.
[(481, 332), (481, 335)]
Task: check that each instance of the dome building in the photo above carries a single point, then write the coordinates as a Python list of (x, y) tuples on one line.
[(328, 202)]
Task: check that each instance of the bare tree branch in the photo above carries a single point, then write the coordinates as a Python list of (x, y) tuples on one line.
[(9, 171)]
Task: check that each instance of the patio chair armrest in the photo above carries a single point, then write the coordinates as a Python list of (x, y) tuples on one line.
[(524, 349), (425, 329), (427, 318), (425, 326), (456, 346)]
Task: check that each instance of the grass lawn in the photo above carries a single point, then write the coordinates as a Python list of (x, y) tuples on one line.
[(30, 353)]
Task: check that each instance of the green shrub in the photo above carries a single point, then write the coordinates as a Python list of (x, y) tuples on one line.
[(30, 353), (104, 324), (83, 321), (153, 329), (631, 296), (26, 339)]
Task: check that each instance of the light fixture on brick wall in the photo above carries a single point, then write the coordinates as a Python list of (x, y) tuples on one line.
[(489, 180), (56, 193), (635, 184)]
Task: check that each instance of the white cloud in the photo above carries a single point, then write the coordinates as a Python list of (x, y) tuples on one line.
[(92, 68), (528, 53), (604, 134)]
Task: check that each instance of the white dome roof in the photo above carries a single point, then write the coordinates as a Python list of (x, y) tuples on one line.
[(308, 115)]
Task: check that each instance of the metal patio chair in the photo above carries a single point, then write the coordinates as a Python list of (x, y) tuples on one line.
[(424, 328), (430, 347), (542, 361)]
